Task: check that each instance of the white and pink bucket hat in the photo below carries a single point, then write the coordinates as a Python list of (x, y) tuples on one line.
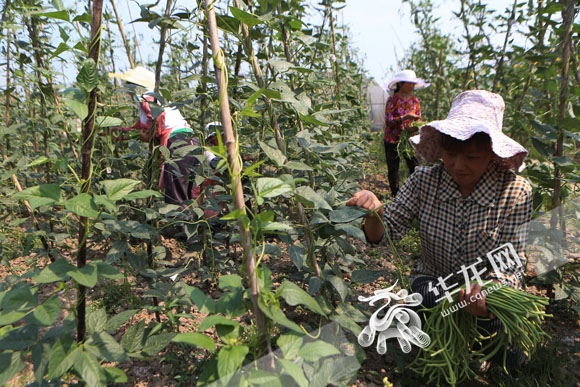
[(472, 112)]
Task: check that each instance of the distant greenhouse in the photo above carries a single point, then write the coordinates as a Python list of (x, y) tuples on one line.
[(377, 98)]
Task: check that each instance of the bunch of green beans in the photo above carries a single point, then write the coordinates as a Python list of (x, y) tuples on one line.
[(456, 341)]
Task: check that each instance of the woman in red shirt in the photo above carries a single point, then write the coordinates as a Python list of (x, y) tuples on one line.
[(401, 110)]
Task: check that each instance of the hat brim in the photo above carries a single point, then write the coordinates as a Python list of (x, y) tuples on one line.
[(143, 80), (509, 153), (419, 83)]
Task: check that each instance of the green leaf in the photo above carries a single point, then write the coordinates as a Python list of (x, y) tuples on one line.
[(104, 346), (345, 214), (115, 375), (19, 338), (263, 378), (86, 276), (18, 298), (47, 312), (230, 359), (147, 193), (105, 270), (119, 319), (295, 371), (215, 319), (96, 320), (315, 350), (365, 276), (544, 149), (298, 166), (89, 369), (280, 65), (8, 317), (56, 271), (40, 195), (290, 344), (234, 215), (274, 313), (106, 122), (155, 344), (339, 285), (204, 303), (59, 15), (562, 161), (196, 339), (39, 161), (276, 227), (82, 205), (269, 187), (319, 218), (88, 77), (132, 340), (11, 363), (79, 108), (228, 23), (347, 323), (311, 198), (273, 154), (101, 200), (230, 281), (352, 231), (245, 17), (297, 255), (119, 188), (85, 17), (294, 295), (62, 357)]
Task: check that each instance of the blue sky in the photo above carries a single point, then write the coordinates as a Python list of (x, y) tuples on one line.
[(382, 29)]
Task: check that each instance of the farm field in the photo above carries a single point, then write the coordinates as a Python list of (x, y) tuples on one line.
[(256, 279)]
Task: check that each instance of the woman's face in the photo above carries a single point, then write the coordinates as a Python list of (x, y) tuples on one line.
[(407, 87), (468, 165)]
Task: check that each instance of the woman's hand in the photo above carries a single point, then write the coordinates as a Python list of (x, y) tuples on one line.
[(411, 116), (367, 200), (475, 302)]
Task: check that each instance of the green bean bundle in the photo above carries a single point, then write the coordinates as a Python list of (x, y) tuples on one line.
[(456, 341)]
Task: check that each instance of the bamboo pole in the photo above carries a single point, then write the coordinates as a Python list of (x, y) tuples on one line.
[(499, 63), (260, 80), (203, 82), (568, 18), (123, 36), (301, 213), (235, 164), (135, 34), (86, 171), (335, 61)]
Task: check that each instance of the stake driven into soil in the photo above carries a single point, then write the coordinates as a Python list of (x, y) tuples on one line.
[(235, 164), (86, 154)]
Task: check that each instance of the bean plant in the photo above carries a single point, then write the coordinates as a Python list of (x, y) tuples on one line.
[(90, 285)]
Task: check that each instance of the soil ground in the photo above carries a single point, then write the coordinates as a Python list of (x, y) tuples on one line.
[(559, 359)]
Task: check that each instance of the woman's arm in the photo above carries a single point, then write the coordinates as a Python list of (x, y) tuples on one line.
[(397, 216), (515, 231)]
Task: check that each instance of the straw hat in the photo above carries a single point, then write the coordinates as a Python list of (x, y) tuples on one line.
[(139, 76), (472, 112), (407, 76)]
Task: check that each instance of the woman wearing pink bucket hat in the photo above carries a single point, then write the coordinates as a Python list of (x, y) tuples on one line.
[(466, 206), (401, 109)]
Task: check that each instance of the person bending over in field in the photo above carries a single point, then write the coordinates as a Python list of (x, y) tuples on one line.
[(466, 206), (171, 130)]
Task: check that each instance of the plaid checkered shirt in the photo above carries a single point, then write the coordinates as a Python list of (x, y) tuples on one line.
[(457, 231)]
